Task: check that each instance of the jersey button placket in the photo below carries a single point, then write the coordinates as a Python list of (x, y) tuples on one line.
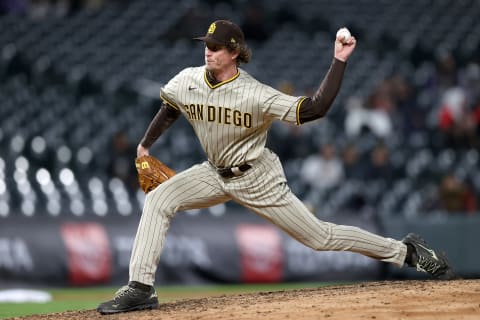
[(209, 126)]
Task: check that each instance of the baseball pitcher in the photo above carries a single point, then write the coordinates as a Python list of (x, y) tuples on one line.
[(231, 112)]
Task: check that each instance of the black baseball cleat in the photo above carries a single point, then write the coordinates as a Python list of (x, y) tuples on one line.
[(425, 259), (133, 297)]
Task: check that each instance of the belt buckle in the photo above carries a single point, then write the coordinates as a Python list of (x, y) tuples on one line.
[(230, 172), (236, 171)]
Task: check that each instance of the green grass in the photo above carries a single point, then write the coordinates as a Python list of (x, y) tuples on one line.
[(89, 298)]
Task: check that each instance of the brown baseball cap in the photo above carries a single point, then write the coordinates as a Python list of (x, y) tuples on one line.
[(224, 33)]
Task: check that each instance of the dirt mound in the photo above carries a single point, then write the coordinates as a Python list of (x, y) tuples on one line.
[(459, 299)]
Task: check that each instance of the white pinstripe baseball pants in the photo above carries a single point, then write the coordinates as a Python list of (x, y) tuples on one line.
[(262, 189)]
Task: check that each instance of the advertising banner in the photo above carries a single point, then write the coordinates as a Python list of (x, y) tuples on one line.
[(237, 247)]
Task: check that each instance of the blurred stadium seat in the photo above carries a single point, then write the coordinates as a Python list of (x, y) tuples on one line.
[(69, 84)]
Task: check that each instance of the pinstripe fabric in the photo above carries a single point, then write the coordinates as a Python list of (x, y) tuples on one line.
[(258, 104), (287, 212), (264, 190), (197, 187), (231, 120)]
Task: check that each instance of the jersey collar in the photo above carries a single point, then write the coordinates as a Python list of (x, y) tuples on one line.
[(213, 86)]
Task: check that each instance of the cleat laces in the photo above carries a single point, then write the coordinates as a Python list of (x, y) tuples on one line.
[(425, 264), (123, 291)]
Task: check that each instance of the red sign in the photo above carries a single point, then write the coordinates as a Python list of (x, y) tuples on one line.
[(89, 254), (260, 253)]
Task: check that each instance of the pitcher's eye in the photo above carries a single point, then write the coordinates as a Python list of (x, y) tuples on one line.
[(214, 47)]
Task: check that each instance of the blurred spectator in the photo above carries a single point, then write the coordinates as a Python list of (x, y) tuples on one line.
[(454, 196), (122, 158), (406, 114), (452, 108), (472, 87), (436, 94), (379, 166), (447, 72), (456, 121), (471, 83), (353, 167), (371, 115), (323, 170), (285, 140), (383, 97)]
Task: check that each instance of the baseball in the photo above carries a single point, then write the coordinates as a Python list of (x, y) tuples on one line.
[(343, 34)]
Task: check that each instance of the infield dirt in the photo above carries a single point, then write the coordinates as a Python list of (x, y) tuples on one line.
[(458, 299)]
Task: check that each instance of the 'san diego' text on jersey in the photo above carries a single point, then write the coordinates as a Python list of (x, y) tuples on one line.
[(220, 115)]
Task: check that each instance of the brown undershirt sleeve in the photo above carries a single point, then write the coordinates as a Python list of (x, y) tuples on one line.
[(317, 106), (161, 122)]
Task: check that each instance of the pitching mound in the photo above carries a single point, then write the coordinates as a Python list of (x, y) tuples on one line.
[(459, 299)]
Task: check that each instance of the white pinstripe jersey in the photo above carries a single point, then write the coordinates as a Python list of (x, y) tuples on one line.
[(231, 118)]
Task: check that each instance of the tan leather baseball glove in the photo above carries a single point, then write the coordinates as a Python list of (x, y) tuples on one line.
[(152, 172)]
